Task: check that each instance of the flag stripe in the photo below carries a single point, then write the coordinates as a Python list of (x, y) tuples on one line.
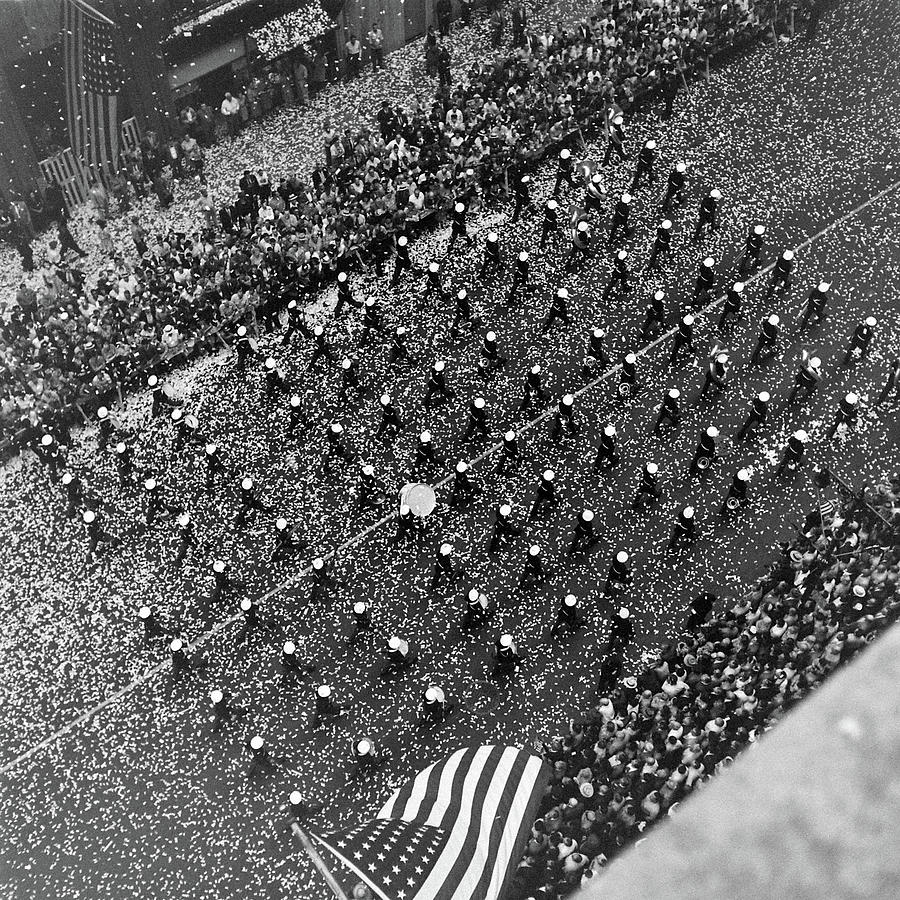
[(464, 836), (427, 790), (485, 858), (442, 807), (471, 871), (528, 795), (406, 801)]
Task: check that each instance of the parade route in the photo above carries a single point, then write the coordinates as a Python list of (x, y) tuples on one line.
[(112, 783)]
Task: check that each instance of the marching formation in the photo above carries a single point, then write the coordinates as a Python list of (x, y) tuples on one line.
[(435, 481)]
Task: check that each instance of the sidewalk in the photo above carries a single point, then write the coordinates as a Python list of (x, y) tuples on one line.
[(288, 140)]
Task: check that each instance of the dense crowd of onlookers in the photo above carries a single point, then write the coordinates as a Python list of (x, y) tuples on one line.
[(650, 740), (68, 341)]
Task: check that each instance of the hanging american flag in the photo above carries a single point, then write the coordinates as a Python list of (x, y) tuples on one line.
[(93, 80), (454, 832)]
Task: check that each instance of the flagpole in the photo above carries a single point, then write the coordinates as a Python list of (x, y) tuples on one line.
[(317, 861), (91, 11)]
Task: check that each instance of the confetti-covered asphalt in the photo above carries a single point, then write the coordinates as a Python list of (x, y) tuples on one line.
[(142, 799)]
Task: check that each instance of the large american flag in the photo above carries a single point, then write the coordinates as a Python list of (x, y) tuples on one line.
[(454, 832), (93, 80)]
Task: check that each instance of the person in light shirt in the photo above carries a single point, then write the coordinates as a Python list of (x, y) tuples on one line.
[(231, 110)]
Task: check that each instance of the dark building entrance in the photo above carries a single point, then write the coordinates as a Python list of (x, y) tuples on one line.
[(416, 18)]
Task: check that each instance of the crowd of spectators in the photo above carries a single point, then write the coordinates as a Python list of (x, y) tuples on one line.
[(652, 739), (70, 342)]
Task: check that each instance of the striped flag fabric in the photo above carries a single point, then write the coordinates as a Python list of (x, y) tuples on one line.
[(454, 832), (93, 80)]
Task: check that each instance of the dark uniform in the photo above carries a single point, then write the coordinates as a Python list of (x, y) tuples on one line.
[(546, 493), (731, 308), (619, 576), (737, 495), (462, 312), (814, 307), (399, 350), (708, 217), (662, 243), (559, 309), (684, 338), (565, 167), (568, 616), (656, 315), (607, 449), (503, 528), (477, 612), (648, 489), (477, 423), (371, 321), (509, 453), (675, 186), (806, 380), (492, 360), (768, 338), (752, 248), (620, 217), (705, 452), (321, 347), (794, 452), (759, 412), (646, 159), (433, 284), (706, 280), (492, 258), (619, 275), (550, 225), (860, 341), (250, 503), (847, 414), (716, 373), (345, 296), (581, 245), (782, 273), (458, 226), (534, 389), (464, 488), (437, 384), (684, 531), (402, 263), (585, 535), (669, 410), (520, 277), (564, 420), (391, 422), (506, 656), (521, 188)]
